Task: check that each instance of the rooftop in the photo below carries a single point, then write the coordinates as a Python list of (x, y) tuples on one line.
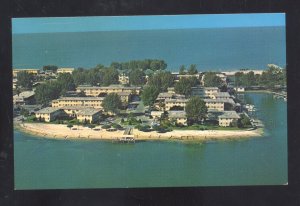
[(123, 93), (25, 94), (177, 114), (176, 100), (165, 95), (80, 98), (108, 87), (48, 110), (210, 88), (229, 115), (88, 111), (222, 94), (220, 100), (74, 107)]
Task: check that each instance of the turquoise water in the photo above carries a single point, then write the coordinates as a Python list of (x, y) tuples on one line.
[(225, 49), (44, 163)]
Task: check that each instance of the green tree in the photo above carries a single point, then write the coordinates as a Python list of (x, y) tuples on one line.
[(244, 121), (167, 80), (110, 76), (79, 76), (66, 82), (149, 95), (182, 70), (44, 93), (193, 69), (24, 112), (184, 85), (25, 79), (212, 80), (161, 80), (137, 77), (70, 126), (112, 103), (196, 109)]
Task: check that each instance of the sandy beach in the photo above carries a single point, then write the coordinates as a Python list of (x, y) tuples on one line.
[(58, 131)]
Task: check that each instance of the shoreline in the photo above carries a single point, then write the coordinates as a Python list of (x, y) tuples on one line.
[(62, 132)]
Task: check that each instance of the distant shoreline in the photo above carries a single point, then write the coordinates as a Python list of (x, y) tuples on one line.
[(58, 131)]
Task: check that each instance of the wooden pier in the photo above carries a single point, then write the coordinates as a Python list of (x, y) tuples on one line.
[(127, 137)]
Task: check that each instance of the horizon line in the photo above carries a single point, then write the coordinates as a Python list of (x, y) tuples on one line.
[(192, 28)]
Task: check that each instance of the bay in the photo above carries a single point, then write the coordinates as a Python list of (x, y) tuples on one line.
[(54, 164)]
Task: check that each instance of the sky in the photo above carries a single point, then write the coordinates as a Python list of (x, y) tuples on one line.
[(121, 23)]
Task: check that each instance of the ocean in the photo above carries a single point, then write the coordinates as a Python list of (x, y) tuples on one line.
[(217, 49), (55, 164), (52, 164)]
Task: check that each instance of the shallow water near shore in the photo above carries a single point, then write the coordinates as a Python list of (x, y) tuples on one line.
[(53, 164)]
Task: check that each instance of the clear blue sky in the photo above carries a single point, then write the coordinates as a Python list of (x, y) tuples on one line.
[(119, 23)]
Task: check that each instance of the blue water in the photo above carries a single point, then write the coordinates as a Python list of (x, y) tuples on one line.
[(215, 49), (48, 164)]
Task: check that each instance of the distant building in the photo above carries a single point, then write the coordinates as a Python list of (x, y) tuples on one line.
[(49, 114), (30, 71), (223, 77), (221, 95), (228, 118), (124, 79), (96, 91), (178, 116), (164, 96), (24, 98), (72, 111), (198, 91), (65, 70), (125, 96), (171, 90), (89, 115), (156, 114), (169, 103), (218, 104), (95, 102), (210, 91)]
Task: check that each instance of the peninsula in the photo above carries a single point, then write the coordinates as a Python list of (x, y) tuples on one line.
[(139, 101)]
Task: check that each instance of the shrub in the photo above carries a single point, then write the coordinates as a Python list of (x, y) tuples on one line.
[(144, 128), (107, 126)]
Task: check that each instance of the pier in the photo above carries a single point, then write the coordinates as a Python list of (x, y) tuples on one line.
[(128, 137)]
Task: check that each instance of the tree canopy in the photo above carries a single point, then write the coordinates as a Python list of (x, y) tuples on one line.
[(270, 78), (112, 103), (110, 76), (24, 79), (193, 70), (66, 82), (136, 77), (212, 80), (44, 93), (162, 80), (182, 70), (149, 95), (246, 80), (183, 86), (196, 109)]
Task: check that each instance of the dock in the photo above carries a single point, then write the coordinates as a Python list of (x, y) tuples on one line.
[(127, 137)]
